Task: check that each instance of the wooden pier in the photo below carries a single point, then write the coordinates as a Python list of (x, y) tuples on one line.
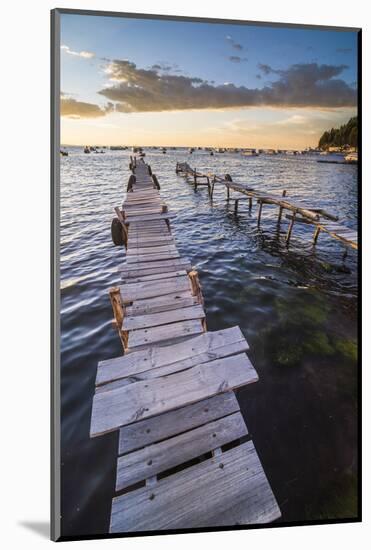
[(318, 218), (185, 456)]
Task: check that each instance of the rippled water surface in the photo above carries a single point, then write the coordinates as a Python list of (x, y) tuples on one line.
[(297, 307)]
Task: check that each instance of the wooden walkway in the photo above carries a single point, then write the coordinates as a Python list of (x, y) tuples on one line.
[(319, 218), (185, 457)]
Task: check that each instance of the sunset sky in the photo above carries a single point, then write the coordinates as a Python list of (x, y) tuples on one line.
[(155, 82)]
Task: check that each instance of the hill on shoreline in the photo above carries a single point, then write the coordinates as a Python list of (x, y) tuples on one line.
[(347, 134)]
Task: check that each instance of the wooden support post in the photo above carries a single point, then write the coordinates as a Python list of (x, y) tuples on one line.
[(196, 287), (236, 206), (250, 203), (260, 211), (281, 208), (118, 313), (195, 181), (208, 186), (120, 216), (289, 231), (212, 189), (316, 234), (228, 193)]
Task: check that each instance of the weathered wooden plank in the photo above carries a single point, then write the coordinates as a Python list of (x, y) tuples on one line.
[(144, 206), (149, 231), (146, 233), (143, 203), (158, 276), (156, 222), (147, 241), (132, 198), (129, 285), (144, 218), (148, 289), (158, 304), (163, 333), (161, 456), (158, 428), (151, 257), (141, 211), (134, 322), (153, 242), (132, 250), (121, 406), (147, 225), (226, 490), (143, 194), (152, 373), (162, 264), (195, 351), (135, 273)]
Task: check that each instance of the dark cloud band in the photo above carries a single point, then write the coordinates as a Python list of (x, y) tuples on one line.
[(301, 85), (152, 90)]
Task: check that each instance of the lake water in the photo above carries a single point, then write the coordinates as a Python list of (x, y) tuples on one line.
[(296, 306)]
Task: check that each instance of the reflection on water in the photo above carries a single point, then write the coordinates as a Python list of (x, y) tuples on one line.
[(297, 307)]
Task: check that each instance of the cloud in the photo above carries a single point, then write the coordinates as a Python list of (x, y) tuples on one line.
[(166, 67), (237, 59), (265, 69), (83, 53), (294, 119), (301, 85), (71, 108), (234, 44)]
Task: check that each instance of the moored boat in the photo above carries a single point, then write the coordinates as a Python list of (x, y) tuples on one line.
[(250, 153), (351, 158)]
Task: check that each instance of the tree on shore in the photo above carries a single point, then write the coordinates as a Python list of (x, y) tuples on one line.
[(338, 137)]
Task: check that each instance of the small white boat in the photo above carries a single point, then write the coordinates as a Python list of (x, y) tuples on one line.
[(351, 158)]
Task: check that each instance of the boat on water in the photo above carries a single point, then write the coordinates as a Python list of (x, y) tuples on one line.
[(163, 150), (351, 158), (64, 153), (250, 153), (86, 149), (191, 150)]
